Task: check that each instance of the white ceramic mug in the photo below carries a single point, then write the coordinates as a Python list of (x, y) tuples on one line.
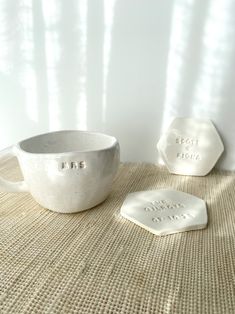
[(66, 171)]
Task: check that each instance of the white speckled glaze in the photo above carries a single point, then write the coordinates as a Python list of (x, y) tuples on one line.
[(66, 171)]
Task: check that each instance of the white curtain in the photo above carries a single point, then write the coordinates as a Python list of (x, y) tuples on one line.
[(124, 67)]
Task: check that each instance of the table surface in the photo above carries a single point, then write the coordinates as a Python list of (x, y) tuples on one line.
[(98, 262)]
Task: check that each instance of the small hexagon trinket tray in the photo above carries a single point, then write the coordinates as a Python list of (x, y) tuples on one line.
[(190, 146), (165, 211)]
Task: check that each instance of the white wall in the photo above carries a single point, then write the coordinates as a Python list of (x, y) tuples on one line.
[(123, 67)]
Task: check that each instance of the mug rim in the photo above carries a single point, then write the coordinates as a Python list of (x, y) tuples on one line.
[(19, 148)]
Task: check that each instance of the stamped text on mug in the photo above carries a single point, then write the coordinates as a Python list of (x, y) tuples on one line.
[(72, 165)]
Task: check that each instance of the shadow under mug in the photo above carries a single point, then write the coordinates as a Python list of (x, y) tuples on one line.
[(66, 171)]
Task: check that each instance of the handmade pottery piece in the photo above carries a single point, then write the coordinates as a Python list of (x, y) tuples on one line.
[(66, 171), (165, 211), (190, 146)]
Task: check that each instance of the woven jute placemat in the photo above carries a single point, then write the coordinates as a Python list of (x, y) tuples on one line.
[(98, 262)]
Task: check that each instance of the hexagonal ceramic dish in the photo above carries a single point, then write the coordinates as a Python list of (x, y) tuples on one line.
[(190, 146), (165, 211)]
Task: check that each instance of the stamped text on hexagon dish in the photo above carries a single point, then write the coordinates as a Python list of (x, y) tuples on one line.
[(187, 141), (172, 217), (162, 205), (188, 156)]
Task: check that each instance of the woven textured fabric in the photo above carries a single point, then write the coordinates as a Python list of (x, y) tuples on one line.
[(98, 262)]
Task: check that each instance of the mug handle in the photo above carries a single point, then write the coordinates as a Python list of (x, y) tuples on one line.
[(10, 186)]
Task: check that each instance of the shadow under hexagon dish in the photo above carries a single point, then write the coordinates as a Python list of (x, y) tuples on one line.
[(165, 211), (190, 146)]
